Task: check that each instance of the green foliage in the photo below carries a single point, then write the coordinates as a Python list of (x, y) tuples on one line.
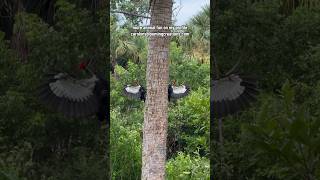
[(188, 117), (278, 138), (197, 43), (190, 72), (37, 143), (138, 7), (126, 145), (176, 53), (289, 134), (7, 65), (185, 166), (189, 123), (268, 44)]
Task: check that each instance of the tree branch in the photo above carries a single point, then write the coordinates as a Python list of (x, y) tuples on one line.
[(131, 14)]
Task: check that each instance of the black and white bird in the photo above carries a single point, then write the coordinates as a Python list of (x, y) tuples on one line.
[(176, 92), (139, 92), (135, 92), (232, 93), (74, 97)]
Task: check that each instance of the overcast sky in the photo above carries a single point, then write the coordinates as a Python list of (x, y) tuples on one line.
[(189, 8)]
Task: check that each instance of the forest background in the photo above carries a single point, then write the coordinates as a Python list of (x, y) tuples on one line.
[(278, 138)]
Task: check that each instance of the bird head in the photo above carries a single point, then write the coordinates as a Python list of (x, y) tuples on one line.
[(83, 65), (87, 66), (174, 82), (135, 82)]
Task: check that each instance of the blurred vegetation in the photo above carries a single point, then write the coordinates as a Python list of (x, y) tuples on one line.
[(278, 42), (278, 138), (34, 142)]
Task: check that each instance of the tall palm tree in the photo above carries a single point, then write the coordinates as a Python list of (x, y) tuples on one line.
[(120, 42), (197, 43), (156, 109)]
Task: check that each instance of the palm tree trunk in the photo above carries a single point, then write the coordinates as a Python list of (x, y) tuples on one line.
[(156, 116)]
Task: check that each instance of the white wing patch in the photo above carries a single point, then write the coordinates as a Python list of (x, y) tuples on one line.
[(179, 89), (77, 90), (133, 89), (228, 88)]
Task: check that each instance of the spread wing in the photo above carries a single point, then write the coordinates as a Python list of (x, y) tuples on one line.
[(133, 91), (69, 96), (179, 91), (232, 94)]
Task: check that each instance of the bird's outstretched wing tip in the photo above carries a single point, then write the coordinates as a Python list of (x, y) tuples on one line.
[(61, 99), (188, 88), (224, 103), (134, 93), (182, 91)]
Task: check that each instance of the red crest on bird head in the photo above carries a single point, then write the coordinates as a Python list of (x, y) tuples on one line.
[(83, 65)]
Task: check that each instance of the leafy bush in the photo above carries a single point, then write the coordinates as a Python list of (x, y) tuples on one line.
[(185, 166), (126, 145), (286, 134), (37, 143)]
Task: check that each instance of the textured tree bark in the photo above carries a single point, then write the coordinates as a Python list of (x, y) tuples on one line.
[(156, 107)]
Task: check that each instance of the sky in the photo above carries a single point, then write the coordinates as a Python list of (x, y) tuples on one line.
[(185, 11), (189, 8)]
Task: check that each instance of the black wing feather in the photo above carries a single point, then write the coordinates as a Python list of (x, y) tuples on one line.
[(232, 94), (179, 91), (134, 92), (69, 96)]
